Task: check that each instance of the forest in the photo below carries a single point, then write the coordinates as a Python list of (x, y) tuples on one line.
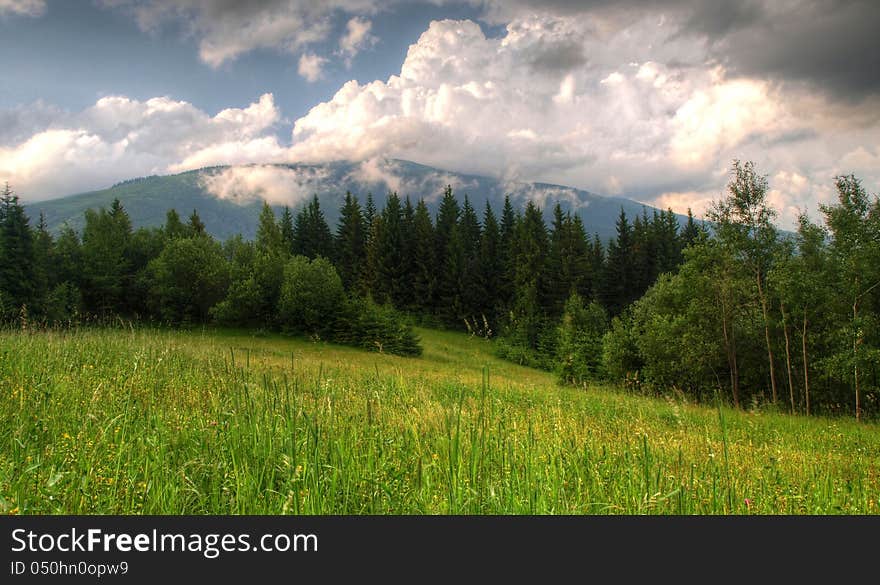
[(731, 309)]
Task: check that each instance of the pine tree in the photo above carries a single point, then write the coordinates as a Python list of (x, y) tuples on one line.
[(195, 226), (44, 277), (268, 235), (472, 299), (448, 258), (691, 232), (391, 283), (423, 256), (287, 231), (507, 235), (312, 237), (617, 289), (16, 255), (350, 245), (447, 218), (407, 266), (174, 227), (369, 215), (107, 272), (490, 269)]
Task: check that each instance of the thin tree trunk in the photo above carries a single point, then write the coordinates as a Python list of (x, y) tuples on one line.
[(787, 355), (806, 367), (763, 299), (856, 357), (731, 356)]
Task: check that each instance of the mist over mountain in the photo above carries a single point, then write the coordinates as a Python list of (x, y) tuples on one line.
[(228, 198)]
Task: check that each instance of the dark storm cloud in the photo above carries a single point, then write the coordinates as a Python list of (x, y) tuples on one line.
[(831, 45)]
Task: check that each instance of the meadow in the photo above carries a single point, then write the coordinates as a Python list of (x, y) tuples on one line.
[(148, 421)]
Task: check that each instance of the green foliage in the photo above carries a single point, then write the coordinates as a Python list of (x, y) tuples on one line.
[(579, 350), (187, 279), (311, 296), (105, 260), (252, 299), (312, 237), (17, 278), (350, 243), (376, 327)]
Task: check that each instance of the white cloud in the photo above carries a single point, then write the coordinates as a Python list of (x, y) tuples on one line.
[(569, 101), (227, 29), (120, 138), (23, 7), (357, 37), (276, 185), (311, 67)]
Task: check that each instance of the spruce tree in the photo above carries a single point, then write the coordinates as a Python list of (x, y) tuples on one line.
[(16, 254), (312, 237), (174, 227), (196, 226), (106, 266), (350, 248), (287, 232), (490, 272), (268, 235), (618, 286), (391, 283), (507, 258), (423, 257)]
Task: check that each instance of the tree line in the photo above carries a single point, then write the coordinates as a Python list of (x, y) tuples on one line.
[(738, 311)]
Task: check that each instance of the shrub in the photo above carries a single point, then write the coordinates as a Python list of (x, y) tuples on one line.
[(311, 296), (579, 349), (381, 328)]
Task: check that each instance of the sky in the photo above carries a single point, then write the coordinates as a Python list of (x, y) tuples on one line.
[(646, 100)]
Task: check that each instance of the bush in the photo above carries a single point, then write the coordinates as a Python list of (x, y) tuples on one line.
[(311, 296), (188, 278), (579, 348), (253, 296), (381, 328)]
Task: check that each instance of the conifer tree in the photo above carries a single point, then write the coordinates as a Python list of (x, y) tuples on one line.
[(617, 289), (268, 235), (285, 225), (174, 227), (391, 283), (423, 257), (16, 254), (196, 226), (350, 245), (312, 237), (106, 267), (490, 272)]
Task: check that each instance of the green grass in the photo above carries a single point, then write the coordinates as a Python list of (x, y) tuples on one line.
[(161, 422)]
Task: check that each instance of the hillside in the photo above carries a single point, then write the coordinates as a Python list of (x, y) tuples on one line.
[(214, 422), (228, 198)]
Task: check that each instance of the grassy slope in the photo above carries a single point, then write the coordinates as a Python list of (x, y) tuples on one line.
[(225, 422)]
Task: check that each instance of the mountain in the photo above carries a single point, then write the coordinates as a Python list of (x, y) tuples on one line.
[(228, 199)]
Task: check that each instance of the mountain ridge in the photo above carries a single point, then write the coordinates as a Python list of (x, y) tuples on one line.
[(228, 198)]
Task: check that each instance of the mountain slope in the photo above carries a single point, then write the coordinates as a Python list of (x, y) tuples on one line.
[(228, 199)]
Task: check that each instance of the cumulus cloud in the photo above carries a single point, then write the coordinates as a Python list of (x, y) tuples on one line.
[(311, 67), (382, 173), (276, 185), (119, 138), (639, 111), (22, 7), (357, 37), (827, 44)]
